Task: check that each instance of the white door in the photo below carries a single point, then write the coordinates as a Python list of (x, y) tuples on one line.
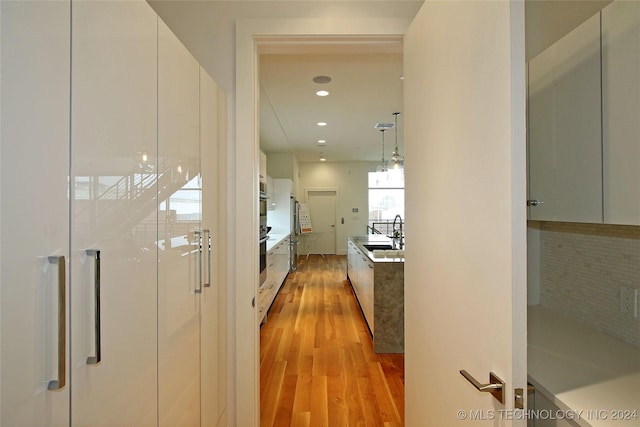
[(179, 194), (465, 278), (34, 213), (322, 207), (113, 210)]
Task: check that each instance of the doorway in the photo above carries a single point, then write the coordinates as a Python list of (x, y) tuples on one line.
[(322, 207)]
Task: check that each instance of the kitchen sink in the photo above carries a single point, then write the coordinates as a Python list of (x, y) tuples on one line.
[(377, 246)]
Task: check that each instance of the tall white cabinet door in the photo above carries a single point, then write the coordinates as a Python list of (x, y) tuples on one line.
[(565, 144), (180, 258), (34, 212), (621, 112), (213, 299), (114, 214)]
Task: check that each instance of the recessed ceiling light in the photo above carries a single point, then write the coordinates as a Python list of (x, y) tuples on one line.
[(322, 123), (322, 141), (322, 93), (323, 159), (322, 79)]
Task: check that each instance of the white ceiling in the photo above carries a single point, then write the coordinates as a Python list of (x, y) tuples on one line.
[(366, 88), (207, 28)]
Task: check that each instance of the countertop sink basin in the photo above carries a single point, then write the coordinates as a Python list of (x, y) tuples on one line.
[(374, 247)]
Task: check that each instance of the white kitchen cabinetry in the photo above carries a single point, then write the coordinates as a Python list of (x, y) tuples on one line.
[(180, 280), (565, 146), (360, 272), (262, 168), (621, 112), (213, 300), (112, 113), (277, 270), (113, 211), (34, 210)]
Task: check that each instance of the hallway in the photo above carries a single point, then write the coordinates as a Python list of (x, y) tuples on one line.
[(317, 364)]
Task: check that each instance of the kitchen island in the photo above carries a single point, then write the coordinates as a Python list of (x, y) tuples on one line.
[(376, 274)]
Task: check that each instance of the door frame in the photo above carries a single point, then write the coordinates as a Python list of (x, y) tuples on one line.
[(251, 36), (336, 206)]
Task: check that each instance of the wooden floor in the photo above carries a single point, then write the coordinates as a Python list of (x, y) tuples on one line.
[(317, 364)]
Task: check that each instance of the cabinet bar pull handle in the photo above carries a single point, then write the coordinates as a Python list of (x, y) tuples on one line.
[(495, 385), (198, 238), (207, 245), (94, 360), (62, 324), (534, 202)]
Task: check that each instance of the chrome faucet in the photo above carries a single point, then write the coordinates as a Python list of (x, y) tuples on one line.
[(397, 234)]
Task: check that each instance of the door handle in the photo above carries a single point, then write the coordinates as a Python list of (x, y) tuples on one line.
[(94, 360), (534, 202), (197, 235), (62, 324), (206, 241), (495, 385)]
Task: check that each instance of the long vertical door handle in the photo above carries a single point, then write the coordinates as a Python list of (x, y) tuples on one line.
[(94, 360), (62, 324), (207, 244), (198, 239)]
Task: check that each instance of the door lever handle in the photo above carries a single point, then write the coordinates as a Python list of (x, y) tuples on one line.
[(495, 385)]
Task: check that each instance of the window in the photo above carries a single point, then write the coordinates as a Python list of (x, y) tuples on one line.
[(386, 200)]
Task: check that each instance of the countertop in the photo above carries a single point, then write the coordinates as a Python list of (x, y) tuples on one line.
[(274, 239), (372, 239), (581, 369)]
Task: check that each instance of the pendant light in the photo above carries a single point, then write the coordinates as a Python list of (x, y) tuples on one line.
[(396, 158), (382, 167)]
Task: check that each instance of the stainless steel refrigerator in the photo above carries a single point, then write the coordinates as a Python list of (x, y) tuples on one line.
[(294, 239)]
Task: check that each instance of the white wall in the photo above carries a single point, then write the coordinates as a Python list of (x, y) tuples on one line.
[(350, 178)]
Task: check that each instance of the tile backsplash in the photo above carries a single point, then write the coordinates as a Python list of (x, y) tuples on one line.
[(583, 266)]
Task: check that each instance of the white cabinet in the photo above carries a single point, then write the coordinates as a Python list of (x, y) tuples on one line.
[(213, 300), (366, 289), (565, 128), (621, 111), (262, 168), (360, 270), (179, 194), (277, 270), (105, 122), (113, 211), (34, 209)]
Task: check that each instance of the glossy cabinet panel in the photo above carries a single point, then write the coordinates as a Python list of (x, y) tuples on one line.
[(565, 144), (180, 280), (114, 176), (34, 210), (621, 112), (213, 306)]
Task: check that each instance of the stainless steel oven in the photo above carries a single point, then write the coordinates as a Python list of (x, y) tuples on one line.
[(263, 258), (263, 236)]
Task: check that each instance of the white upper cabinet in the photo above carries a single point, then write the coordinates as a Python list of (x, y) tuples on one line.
[(565, 144), (180, 281), (114, 214), (621, 111), (35, 213)]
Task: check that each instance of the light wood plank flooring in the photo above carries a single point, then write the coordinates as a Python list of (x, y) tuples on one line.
[(317, 364)]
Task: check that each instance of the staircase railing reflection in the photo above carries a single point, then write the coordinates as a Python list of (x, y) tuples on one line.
[(138, 193)]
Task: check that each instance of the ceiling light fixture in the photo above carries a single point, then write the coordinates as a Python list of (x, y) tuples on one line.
[(322, 93), (322, 123), (322, 158), (382, 167), (322, 141), (396, 158), (322, 80)]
